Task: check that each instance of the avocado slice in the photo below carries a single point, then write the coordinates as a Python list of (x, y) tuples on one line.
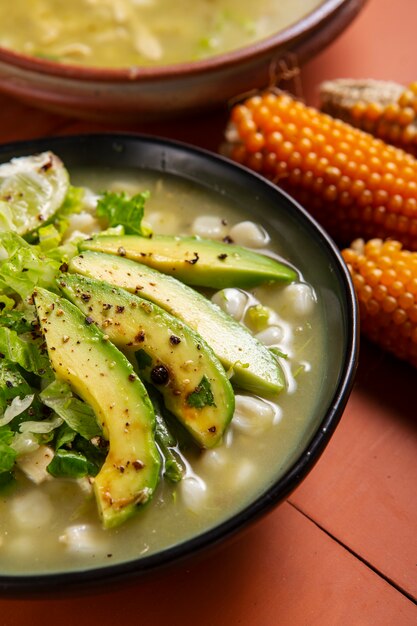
[(170, 355), (255, 368), (196, 261), (102, 376)]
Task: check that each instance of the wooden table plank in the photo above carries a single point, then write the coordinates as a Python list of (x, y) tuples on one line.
[(363, 490), (284, 571)]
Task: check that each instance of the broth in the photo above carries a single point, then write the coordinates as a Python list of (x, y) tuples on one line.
[(124, 33), (60, 530)]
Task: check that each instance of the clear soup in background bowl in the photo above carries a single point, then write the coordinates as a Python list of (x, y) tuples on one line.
[(130, 60), (51, 533)]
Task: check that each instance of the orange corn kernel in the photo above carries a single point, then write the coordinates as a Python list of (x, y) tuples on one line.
[(385, 279)]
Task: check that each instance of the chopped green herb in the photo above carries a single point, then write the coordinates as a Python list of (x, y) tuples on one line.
[(279, 354), (202, 395)]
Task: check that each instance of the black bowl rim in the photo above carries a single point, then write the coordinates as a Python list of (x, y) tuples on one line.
[(293, 32), (33, 585)]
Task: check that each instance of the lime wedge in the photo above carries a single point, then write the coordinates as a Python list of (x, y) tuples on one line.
[(32, 189)]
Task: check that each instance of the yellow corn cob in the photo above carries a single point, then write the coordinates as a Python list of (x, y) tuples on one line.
[(385, 279), (384, 109), (355, 185)]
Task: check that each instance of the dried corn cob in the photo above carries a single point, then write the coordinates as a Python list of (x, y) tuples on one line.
[(385, 278), (384, 109), (354, 184)]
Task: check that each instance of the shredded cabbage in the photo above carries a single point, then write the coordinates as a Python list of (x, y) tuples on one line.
[(41, 427), (17, 406)]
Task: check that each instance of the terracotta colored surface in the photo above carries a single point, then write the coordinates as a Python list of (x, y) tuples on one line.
[(284, 572), (363, 489), (343, 551), (380, 44)]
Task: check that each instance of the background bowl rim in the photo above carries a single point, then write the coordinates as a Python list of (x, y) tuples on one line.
[(38, 584), (294, 31)]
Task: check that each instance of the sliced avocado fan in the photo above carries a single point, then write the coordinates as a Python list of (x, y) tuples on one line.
[(170, 355), (251, 365)]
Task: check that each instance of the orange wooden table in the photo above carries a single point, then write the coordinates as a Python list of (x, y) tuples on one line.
[(343, 549)]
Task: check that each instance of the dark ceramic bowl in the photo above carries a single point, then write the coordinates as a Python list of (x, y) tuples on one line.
[(325, 270), (138, 94)]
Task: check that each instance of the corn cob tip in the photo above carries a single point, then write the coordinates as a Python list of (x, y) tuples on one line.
[(385, 109), (346, 92)]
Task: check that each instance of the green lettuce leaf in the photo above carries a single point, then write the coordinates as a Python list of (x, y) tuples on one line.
[(70, 464), (28, 354), (12, 384), (22, 321), (77, 414), (119, 209), (25, 266), (75, 457), (64, 436), (7, 454), (73, 202), (49, 237)]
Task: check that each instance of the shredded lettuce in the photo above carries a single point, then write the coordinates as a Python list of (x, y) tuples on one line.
[(51, 234), (75, 457), (24, 266), (54, 415), (73, 202), (49, 237), (16, 407), (6, 303), (64, 436), (77, 414), (22, 321), (41, 427), (120, 210), (28, 354), (12, 384), (70, 464), (7, 454), (35, 407)]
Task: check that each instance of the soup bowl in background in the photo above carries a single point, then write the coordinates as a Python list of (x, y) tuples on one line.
[(307, 247), (146, 93)]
